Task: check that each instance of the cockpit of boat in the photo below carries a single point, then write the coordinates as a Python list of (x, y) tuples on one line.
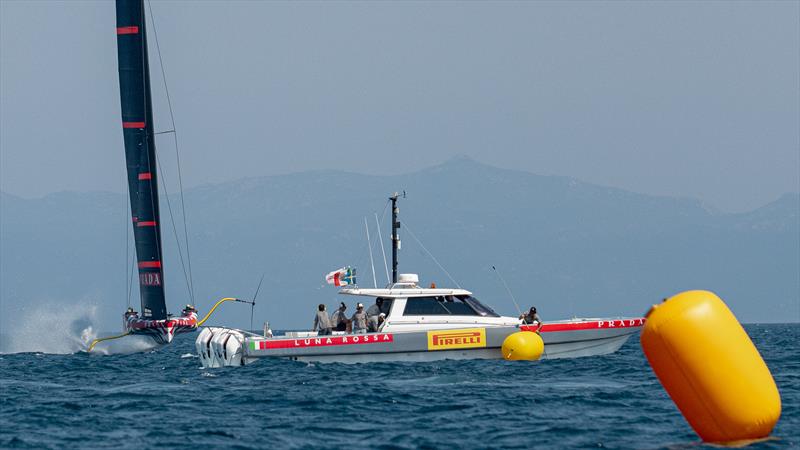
[(438, 305), (408, 306)]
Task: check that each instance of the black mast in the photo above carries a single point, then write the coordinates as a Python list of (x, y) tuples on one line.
[(140, 154), (395, 235)]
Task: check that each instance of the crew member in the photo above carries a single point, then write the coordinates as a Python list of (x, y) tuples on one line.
[(188, 310), (339, 319), (531, 318), (322, 322), (372, 315), (359, 320), (374, 322), (130, 316), (375, 309)]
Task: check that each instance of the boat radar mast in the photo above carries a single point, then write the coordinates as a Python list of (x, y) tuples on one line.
[(395, 235)]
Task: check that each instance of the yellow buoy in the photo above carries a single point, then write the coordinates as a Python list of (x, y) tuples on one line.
[(710, 368), (523, 345)]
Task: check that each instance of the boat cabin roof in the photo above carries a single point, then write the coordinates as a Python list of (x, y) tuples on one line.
[(402, 291)]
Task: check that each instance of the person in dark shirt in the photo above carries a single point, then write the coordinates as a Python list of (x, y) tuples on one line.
[(531, 318), (339, 318), (322, 322)]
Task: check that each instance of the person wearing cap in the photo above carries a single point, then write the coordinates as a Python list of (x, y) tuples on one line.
[(374, 322), (130, 315), (322, 322), (531, 317), (188, 310), (359, 320), (339, 319)]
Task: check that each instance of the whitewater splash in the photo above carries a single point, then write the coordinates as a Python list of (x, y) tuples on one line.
[(63, 330)]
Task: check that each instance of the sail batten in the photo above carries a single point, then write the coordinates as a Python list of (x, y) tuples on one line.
[(140, 156)]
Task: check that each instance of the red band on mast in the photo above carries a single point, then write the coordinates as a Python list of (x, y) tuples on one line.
[(128, 30), (150, 265), (132, 124), (146, 224), (145, 176)]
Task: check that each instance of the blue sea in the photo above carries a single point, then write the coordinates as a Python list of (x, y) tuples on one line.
[(164, 399)]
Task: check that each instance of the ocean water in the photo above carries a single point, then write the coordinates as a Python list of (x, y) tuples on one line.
[(165, 399)]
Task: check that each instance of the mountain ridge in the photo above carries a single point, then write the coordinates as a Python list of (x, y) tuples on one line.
[(570, 247), (449, 164)]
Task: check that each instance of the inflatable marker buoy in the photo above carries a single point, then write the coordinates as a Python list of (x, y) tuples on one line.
[(710, 368), (523, 345)]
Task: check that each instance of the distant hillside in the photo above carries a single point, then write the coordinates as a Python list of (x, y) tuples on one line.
[(569, 247)]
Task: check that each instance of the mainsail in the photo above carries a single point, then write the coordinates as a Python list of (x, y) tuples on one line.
[(140, 154)]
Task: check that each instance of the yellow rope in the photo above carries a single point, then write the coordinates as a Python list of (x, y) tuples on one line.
[(226, 299), (97, 341)]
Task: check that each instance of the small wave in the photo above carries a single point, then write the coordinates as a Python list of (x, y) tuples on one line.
[(189, 355)]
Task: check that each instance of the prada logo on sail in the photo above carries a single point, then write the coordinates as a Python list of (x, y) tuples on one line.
[(150, 279), (464, 338)]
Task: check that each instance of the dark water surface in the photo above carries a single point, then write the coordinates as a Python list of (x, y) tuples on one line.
[(164, 399)]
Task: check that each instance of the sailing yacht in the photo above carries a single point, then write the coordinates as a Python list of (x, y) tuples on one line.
[(140, 156)]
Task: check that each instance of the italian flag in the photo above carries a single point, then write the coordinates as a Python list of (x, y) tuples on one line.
[(337, 277)]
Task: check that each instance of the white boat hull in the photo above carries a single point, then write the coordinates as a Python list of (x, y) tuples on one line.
[(567, 339)]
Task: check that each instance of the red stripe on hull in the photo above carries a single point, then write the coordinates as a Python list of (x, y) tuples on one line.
[(590, 325), (132, 124), (128, 30), (324, 341), (150, 265)]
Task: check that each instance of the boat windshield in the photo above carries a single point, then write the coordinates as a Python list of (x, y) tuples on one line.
[(479, 307), (447, 305)]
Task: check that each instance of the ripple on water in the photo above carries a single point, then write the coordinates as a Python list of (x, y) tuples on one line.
[(163, 397)]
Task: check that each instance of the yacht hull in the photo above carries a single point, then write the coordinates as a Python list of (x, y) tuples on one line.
[(161, 331), (567, 339)]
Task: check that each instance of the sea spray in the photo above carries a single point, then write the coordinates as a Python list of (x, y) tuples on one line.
[(56, 328)]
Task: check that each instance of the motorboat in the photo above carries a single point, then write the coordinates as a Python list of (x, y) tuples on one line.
[(417, 324)]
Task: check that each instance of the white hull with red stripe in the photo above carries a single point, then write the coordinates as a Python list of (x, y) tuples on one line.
[(567, 339), (416, 330)]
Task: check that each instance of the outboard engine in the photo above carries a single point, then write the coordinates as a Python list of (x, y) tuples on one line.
[(218, 347)]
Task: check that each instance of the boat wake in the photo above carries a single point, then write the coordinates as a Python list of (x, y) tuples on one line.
[(62, 330)]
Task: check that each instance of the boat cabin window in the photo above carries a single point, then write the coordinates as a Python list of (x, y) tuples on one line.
[(386, 306), (446, 305), (482, 309)]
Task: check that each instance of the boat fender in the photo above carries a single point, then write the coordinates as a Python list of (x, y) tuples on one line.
[(710, 368), (523, 345)]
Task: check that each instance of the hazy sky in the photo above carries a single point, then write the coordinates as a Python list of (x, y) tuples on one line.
[(697, 99)]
